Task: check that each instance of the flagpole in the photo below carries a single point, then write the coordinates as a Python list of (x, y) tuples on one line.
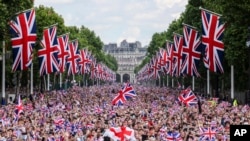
[(3, 74), (172, 82), (31, 80), (48, 82), (232, 81), (167, 80), (210, 11), (193, 83), (208, 80), (60, 80), (163, 82)]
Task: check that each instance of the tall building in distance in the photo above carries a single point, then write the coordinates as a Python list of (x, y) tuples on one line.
[(128, 56)]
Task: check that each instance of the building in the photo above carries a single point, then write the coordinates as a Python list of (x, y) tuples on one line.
[(128, 56)]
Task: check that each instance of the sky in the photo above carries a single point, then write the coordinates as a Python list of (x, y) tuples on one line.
[(116, 20)]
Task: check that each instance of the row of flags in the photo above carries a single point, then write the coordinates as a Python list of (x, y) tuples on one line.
[(57, 53), (182, 56)]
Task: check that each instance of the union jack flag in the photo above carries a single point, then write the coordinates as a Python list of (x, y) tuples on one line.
[(187, 97), (208, 134), (48, 60), (93, 68), (212, 34), (177, 54), (173, 136), (155, 67), (124, 94), (170, 47), (23, 31), (73, 58), (100, 71), (63, 51), (19, 107), (191, 51), (84, 61), (163, 59)]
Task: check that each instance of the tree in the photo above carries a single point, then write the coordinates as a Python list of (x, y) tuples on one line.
[(8, 9)]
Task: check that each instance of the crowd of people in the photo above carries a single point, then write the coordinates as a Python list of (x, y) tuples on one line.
[(85, 114)]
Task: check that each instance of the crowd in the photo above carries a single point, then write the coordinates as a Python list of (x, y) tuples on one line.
[(85, 113)]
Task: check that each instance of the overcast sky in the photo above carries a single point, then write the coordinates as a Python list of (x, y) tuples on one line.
[(116, 20)]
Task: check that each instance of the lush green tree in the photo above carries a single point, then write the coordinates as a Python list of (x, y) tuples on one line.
[(8, 9)]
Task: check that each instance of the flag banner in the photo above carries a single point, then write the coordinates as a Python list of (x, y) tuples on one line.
[(212, 35), (23, 39)]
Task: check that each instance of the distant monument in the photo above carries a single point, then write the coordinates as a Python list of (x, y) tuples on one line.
[(128, 55)]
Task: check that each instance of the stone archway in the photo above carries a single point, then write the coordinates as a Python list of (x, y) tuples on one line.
[(118, 78), (126, 77)]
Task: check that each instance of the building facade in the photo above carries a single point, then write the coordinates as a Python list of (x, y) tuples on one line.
[(128, 56)]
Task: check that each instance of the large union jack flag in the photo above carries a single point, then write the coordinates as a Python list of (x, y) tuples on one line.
[(48, 60), (208, 134), (23, 32), (177, 54), (124, 94), (73, 58), (191, 51), (187, 97), (63, 53), (212, 34)]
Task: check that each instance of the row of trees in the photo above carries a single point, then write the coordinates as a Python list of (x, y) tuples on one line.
[(46, 16), (236, 16)]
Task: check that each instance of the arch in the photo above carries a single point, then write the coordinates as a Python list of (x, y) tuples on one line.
[(126, 77), (118, 78)]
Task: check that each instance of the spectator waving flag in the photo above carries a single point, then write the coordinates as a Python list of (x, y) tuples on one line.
[(124, 94), (23, 32), (187, 97), (120, 133), (208, 134), (212, 34), (19, 107), (48, 59), (173, 136)]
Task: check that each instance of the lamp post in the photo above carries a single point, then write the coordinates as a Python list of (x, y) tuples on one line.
[(248, 46)]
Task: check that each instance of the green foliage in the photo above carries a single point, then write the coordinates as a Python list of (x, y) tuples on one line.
[(158, 39), (8, 9)]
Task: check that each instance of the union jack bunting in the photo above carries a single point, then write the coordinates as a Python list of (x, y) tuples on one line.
[(124, 94), (84, 61), (212, 34), (63, 51), (177, 54), (187, 97), (191, 51), (23, 32), (208, 134), (72, 60), (48, 60)]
